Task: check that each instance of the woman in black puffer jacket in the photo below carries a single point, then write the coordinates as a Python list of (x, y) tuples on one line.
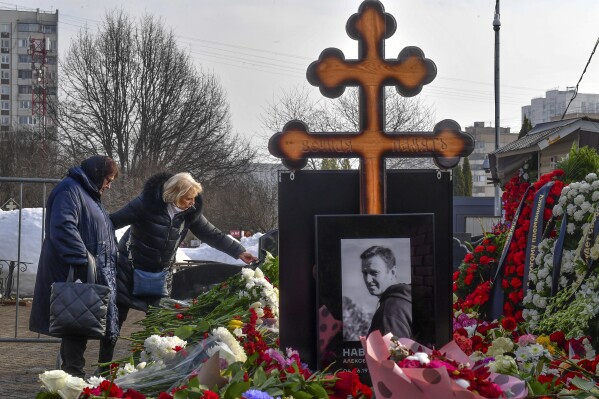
[(160, 217)]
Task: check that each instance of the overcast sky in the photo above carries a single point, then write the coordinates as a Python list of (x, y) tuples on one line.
[(261, 48)]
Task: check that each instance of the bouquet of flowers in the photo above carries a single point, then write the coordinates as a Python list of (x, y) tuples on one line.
[(402, 365), (472, 280), (548, 364)]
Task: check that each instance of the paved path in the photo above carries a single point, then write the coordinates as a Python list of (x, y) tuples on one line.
[(22, 362)]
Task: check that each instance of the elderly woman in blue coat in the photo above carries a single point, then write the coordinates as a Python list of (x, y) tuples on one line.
[(160, 217), (77, 224)]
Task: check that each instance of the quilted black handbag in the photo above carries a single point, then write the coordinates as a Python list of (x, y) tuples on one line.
[(78, 308)]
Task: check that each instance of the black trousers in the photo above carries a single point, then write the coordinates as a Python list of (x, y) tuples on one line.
[(72, 354), (72, 351), (106, 345)]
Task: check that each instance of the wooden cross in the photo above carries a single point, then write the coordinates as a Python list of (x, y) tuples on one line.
[(371, 72)]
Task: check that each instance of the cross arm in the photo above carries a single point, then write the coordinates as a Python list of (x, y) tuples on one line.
[(294, 145)]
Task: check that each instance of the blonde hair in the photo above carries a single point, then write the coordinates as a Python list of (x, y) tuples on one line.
[(179, 185)]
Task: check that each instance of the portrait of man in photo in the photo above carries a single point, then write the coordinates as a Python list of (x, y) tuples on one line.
[(394, 310), (377, 291)]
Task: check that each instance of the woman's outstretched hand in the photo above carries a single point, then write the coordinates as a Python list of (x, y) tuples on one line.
[(247, 257)]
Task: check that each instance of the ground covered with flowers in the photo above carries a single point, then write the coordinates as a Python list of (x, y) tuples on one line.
[(548, 329), (543, 344)]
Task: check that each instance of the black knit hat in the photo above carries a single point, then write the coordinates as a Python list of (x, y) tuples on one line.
[(96, 169)]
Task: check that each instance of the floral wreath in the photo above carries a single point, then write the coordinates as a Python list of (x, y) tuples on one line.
[(577, 302), (515, 260)]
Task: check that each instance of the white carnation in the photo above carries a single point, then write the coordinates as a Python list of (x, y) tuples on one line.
[(570, 228)]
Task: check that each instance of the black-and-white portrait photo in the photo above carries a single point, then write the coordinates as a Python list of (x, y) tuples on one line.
[(376, 287), (373, 272)]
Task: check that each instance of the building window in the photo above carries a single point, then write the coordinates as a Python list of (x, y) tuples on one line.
[(24, 74), (4, 105), (25, 104), (27, 27), (25, 58), (4, 89), (4, 120), (4, 59), (5, 44), (22, 43), (4, 74), (27, 120), (49, 28), (53, 45), (25, 89), (51, 60), (4, 27)]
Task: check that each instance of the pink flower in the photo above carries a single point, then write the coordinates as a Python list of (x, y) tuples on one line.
[(435, 364), (409, 364), (526, 339)]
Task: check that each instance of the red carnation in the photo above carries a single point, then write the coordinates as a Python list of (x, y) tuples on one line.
[(509, 323), (559, 338)]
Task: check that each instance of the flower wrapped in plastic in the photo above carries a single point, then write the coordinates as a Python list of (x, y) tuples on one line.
[(169, 364), (422, 373)]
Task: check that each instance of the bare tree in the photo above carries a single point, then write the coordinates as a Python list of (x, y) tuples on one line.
[(24, 153), (131, 93), (342, 115), (245, 201)]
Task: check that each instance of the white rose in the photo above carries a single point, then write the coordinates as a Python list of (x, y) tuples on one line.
[(72, 388), (54, 380), (258, 273)]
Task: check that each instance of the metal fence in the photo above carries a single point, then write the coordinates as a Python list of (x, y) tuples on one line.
[(10, 289)]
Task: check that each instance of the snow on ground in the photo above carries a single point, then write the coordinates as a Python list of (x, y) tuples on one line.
[(31, 239)]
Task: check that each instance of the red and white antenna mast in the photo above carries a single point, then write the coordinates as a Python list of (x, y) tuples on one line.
[(38, 48)]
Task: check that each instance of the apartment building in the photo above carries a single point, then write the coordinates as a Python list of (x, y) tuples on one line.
[(28, 68), (484, 139), (552, 106)]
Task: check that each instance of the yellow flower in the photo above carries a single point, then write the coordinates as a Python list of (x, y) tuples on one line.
[(543, 340), (546, 342), (234, 324)]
